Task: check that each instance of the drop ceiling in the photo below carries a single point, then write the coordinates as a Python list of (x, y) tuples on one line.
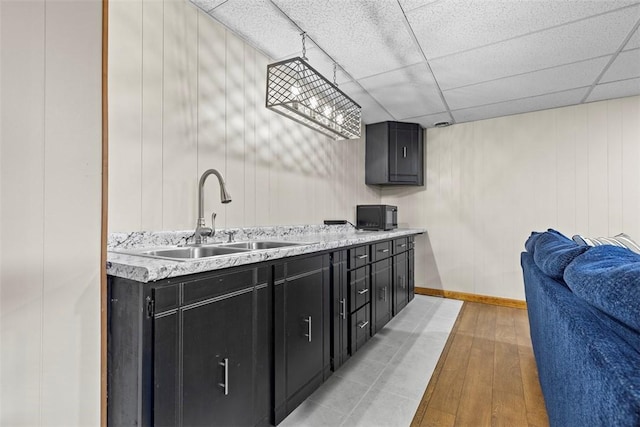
[(429, 61)]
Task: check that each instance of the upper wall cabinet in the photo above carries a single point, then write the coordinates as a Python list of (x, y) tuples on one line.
[(394, 154)]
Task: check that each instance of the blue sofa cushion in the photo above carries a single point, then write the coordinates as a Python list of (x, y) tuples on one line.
[(529, 245), (554, 251), (608, 277)]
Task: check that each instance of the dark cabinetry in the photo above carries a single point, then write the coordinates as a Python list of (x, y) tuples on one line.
[(340, 310), (394, 154), (302, 330), (199, 350)]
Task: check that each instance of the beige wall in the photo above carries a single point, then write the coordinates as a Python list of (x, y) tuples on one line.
[(50, 212), (490, 183), (187, 95)]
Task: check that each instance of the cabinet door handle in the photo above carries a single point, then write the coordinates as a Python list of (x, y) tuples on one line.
[(361, 325), (384, 293), (363, 256), (308, 320), (363, 291), (404, 152), (225, 383), (404, 245), (343, 313), (383, 250)]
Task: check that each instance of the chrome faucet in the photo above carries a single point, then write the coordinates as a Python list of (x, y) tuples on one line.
[(202, 232)]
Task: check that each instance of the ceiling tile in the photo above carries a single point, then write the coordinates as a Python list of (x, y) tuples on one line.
[(556, 79), (585, 39), (207, 5), (407, 92), (429, 120), (634, 41), (453, 26), (618, 89), (364, 37), (372, 112), (409, 5), (258, 22), (323, 64), (517, 106), (625, 66)]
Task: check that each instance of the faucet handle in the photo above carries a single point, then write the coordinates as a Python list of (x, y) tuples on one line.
[(213, 223), (231, 234)]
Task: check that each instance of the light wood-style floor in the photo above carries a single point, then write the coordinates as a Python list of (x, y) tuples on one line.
[(486, 375)]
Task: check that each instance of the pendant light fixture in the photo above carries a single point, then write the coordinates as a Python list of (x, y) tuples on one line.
[(296, 90)]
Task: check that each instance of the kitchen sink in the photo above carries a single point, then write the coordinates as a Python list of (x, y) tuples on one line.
[(192, 252), (211, 250), (257, 245)]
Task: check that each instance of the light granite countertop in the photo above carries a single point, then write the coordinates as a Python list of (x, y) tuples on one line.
[(123, 262)]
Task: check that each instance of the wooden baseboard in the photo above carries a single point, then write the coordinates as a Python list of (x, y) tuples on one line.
[(484, 299)]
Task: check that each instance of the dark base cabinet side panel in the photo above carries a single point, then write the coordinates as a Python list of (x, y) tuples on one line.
[(128, 398)]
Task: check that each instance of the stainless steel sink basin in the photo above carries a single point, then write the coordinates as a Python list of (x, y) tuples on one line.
[(217, 249), (257, 245), (192, 252)]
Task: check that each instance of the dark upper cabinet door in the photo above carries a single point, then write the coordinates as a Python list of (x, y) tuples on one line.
[(381, 298), (217, 349), (394, 154), (404, 155), (303, 326), (400, 282)]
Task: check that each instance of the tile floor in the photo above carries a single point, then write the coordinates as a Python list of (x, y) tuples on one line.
[(383, 383)]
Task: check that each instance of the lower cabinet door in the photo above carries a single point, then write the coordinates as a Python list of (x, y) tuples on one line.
[(400, 282), (304, 332), (381, 299), (217, 349), (411, 274), (360, 328)]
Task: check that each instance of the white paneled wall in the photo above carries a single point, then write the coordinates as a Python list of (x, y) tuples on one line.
[(490, 183), (50, 166), (187, 95)]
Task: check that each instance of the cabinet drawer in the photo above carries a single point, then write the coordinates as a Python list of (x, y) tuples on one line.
[(381, 250), (359, 287), (358, 256), (400, 245), (360, 328)]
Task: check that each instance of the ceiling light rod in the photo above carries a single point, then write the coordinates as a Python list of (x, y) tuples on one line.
[(298, 91)]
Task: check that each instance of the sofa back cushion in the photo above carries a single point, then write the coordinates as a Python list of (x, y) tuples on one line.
[(554, 251), (608, 277)]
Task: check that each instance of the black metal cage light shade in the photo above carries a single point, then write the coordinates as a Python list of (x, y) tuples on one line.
[(296, 90)]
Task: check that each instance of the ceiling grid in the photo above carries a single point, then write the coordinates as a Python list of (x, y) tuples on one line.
[(452, 60)]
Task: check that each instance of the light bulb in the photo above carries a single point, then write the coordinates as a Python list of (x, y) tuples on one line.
[(295, 90), (339, 119), (313, 102), (327, 112)]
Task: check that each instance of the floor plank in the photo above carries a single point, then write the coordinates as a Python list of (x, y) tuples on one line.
[(486, 375)]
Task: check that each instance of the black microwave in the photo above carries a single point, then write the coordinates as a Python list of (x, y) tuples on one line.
[(376, 217)]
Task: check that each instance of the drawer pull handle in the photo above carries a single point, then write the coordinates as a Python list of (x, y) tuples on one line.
[(225, 383), (363, 291), (308, 321), (384, 250), (363, 256), (343, 313), (384, 295), (361, 325), (404, 245)]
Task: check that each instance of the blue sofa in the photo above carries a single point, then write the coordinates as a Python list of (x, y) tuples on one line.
[(584, 314)]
